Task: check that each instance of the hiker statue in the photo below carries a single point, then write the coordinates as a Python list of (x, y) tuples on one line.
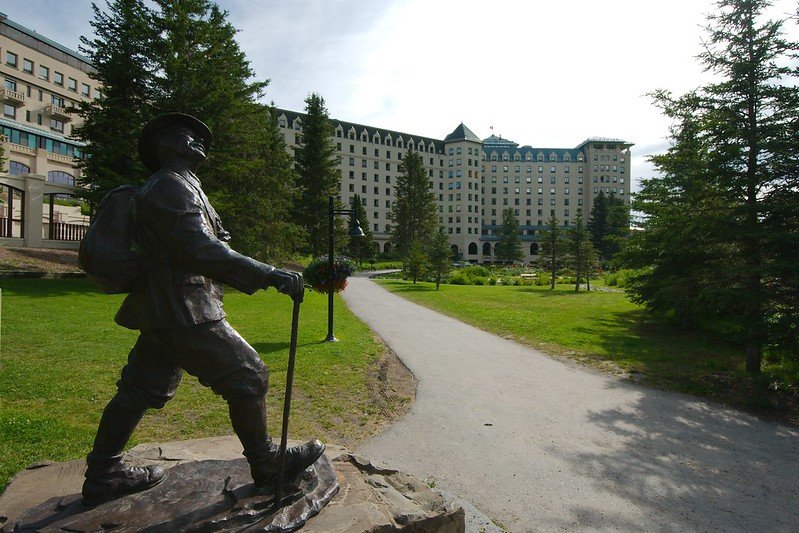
[(176, 304)]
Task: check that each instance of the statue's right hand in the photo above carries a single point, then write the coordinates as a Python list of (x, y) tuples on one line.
[(287, 282)]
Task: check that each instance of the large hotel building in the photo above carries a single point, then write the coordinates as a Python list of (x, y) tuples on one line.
[(474, 180), (41, 81)]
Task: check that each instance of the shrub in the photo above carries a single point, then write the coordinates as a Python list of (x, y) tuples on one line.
[(458, 279), (475, 271)]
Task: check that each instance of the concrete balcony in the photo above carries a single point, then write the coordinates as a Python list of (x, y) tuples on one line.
[(12, 97), (56, 112)]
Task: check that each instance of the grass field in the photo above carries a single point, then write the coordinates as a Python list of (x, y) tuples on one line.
[(606, 330), (61, 355)]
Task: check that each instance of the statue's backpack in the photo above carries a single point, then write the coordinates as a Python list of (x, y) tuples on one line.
[(108, 252)]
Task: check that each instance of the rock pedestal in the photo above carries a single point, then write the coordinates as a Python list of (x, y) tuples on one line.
[(208, 488)]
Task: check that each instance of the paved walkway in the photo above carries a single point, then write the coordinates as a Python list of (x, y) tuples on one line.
[(542, 445)]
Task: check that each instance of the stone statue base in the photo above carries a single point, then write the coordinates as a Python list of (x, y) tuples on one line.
[(208, 488), (197, 496)]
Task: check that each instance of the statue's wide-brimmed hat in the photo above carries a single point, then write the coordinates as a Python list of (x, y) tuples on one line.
[(151, 133)]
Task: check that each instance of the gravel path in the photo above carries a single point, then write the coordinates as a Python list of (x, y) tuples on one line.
[(541, 445)]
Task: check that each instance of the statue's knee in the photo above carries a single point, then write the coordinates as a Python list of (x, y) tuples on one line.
[(249, 383)]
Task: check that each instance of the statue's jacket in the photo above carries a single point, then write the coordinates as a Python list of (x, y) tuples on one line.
[(188, 257)]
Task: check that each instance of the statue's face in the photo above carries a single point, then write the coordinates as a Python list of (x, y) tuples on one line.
[(183, 143)]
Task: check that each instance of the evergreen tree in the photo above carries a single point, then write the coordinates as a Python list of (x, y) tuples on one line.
[(119, 51), (683, 249), (746, 122), (598, 220), (416, 261), (552, 247), (509, 248), (582, 255), (318, 176), (414, 214), (182, 56), (363, 247), (608, 225), (440, 257)]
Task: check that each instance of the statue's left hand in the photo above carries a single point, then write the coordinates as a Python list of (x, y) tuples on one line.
[(290, 283)]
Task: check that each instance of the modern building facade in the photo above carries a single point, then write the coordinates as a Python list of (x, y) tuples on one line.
[(42, 80), (474, 180)]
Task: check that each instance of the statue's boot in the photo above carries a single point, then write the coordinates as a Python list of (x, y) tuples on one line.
[(107, 476), (248, 418)]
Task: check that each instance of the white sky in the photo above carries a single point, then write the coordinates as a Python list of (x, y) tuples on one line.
[(548, 74)]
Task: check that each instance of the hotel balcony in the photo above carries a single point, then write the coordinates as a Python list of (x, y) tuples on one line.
[(56, 112), (12, 97)]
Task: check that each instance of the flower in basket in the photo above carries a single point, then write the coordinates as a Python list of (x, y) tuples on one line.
[(317, 273)]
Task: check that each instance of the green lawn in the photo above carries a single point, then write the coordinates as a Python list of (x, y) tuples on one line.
[(61, 354), (606, 330)]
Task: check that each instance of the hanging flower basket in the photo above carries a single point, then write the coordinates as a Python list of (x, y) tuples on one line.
[(317, 274)]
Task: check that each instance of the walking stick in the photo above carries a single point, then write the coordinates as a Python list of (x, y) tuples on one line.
[(295, 319)]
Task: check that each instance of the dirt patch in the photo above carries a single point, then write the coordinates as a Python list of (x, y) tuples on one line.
[(393, 390), (38, 260), (392, 385)]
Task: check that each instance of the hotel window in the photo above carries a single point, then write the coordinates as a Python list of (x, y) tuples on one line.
[(11, 59), (552, 190), (56, 125), (540, 190), (9, 111), (504, 168), (11, 85), (552, 168), (553, 157), (551, 201), (352, 187), (579, 201), (540, 157), (529, 179), (540, 179), (85, 90), (58, 78), (57, 101), (552, 179), (27, 66), (44, 72), (565, 201), (579, 191)]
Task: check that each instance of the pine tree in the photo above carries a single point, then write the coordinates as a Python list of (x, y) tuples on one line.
[(509, 248), (416, 261), (182, 56), (120, 54), (582, 255), (682, 251), (746, 124), (552, 247), (413, 213), (598, 220), (318, 176), (440, 257), (362, 247), (608, 225)]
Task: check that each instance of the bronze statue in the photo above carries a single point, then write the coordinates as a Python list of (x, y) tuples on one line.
[(177, 307)]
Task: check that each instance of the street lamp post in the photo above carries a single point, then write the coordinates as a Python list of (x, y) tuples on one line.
[(355, 232)]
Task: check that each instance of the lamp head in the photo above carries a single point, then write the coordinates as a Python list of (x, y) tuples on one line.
[(356, 230)]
